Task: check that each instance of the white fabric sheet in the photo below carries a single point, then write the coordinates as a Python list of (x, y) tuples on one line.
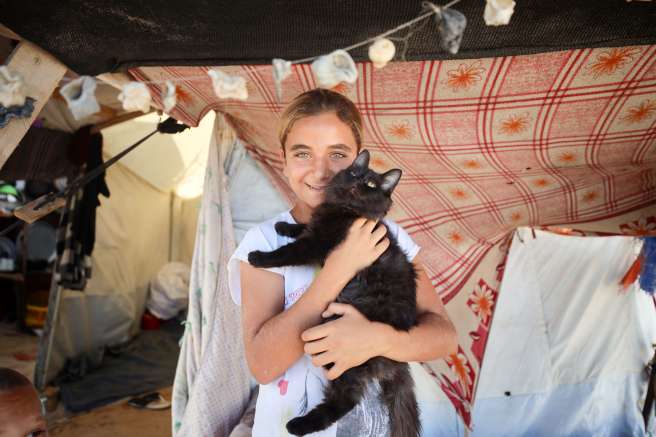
[(567, 350)]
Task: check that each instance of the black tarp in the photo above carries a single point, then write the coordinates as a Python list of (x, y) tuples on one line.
[(93, 36)]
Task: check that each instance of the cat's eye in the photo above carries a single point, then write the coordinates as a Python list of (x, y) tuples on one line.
[(371, 184)]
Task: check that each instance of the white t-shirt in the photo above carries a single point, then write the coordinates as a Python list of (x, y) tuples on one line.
[(300, 388)]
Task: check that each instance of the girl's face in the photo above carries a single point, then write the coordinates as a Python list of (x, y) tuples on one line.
[(317, 147)]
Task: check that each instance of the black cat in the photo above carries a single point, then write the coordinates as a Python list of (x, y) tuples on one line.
[(383, 292)]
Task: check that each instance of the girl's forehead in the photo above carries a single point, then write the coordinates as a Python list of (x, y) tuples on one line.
[(320, 129)]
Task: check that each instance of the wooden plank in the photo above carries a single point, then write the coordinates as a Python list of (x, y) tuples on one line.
[(8, 33), (41, 73), (117, 80), (119, 119)]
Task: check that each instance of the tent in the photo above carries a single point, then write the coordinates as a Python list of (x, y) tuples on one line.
[(148, 221), (547, 123)]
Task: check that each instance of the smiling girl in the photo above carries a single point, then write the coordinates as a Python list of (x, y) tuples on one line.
[(285, 343)]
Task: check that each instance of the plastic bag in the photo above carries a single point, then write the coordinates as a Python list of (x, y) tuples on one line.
[(169, 291)]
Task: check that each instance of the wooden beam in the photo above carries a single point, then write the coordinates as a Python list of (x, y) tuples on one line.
[(117, 80), (8, 33), (41, 73), (119, 119)]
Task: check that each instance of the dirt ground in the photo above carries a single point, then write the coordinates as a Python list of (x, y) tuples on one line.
[(117, 420)]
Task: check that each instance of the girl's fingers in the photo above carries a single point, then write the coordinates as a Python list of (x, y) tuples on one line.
[(379, 233), (382, 246), (315, 347), (322, 359), (370, 225), (315, 333), (338, 309), (334, 372)]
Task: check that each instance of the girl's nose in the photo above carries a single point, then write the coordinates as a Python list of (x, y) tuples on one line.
[(322, 169)]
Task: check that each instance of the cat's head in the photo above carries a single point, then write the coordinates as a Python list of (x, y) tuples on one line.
[(362, 189)]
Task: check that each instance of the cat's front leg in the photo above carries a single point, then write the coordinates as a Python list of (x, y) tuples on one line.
[(298, 253), (291, 230), (340, 397)]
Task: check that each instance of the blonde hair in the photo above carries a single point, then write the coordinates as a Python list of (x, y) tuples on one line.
[(318, 101)]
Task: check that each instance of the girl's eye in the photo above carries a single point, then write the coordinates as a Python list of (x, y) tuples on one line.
[(338, 155), (302, 155)]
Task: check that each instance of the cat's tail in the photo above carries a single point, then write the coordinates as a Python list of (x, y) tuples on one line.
[(399, 395), (340, 397)]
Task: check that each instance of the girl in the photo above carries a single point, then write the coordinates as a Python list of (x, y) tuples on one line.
[(285, 343)]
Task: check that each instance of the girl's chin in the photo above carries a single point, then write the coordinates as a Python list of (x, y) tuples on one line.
[(312, 200)]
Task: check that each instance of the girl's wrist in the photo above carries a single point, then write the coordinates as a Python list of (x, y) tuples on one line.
[(338, 271), (386, 338)]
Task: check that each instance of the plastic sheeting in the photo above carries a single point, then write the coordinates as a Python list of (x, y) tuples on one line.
[(567, 351)]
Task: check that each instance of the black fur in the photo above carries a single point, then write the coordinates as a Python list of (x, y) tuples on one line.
[(384, 292)]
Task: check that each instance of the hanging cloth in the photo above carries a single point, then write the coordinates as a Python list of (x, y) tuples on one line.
[(77, 230), (212, 383)]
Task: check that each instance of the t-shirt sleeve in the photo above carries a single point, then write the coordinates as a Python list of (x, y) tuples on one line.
[(253, 240), (406, 243)]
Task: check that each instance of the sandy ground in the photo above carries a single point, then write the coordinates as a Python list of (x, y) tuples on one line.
[(18, 350), (117, 420)]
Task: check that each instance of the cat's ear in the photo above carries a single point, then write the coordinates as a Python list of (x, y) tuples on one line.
[(362, 161), (390, 179)]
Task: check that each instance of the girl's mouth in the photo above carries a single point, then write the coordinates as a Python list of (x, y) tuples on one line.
[(315, 188)]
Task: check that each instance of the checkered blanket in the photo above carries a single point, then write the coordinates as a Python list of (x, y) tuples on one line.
[(565, 141)]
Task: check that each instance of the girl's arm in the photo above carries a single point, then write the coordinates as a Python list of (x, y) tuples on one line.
[(352, 339), (272, 337)]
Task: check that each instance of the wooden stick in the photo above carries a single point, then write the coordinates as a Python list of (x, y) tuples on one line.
[(116, 120), (41, 72), (8, 33)]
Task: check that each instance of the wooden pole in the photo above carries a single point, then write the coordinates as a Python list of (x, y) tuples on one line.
[(41, 73)]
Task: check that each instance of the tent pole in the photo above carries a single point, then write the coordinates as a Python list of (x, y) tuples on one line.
[(48, 335), (171, 218)]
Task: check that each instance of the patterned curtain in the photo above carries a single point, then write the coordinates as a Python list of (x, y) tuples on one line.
[(563, 140)]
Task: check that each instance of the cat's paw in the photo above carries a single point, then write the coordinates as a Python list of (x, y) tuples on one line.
[(291, 230), (281, 228), (297, 426), (258, 258)]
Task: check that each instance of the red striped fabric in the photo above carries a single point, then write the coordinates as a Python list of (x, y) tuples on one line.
[(563, 141)]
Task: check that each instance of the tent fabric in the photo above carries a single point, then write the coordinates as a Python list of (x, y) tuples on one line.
[(212, 382), (576, 364), (129, 251), (486, 145), (43, 155), (100, 37), (567, 350)]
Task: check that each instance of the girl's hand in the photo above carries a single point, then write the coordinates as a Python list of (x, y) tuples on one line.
[(347, 342), (362, 246)]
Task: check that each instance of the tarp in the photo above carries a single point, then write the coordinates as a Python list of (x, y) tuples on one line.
[(568, 350), (486, 145), (92, 36)]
